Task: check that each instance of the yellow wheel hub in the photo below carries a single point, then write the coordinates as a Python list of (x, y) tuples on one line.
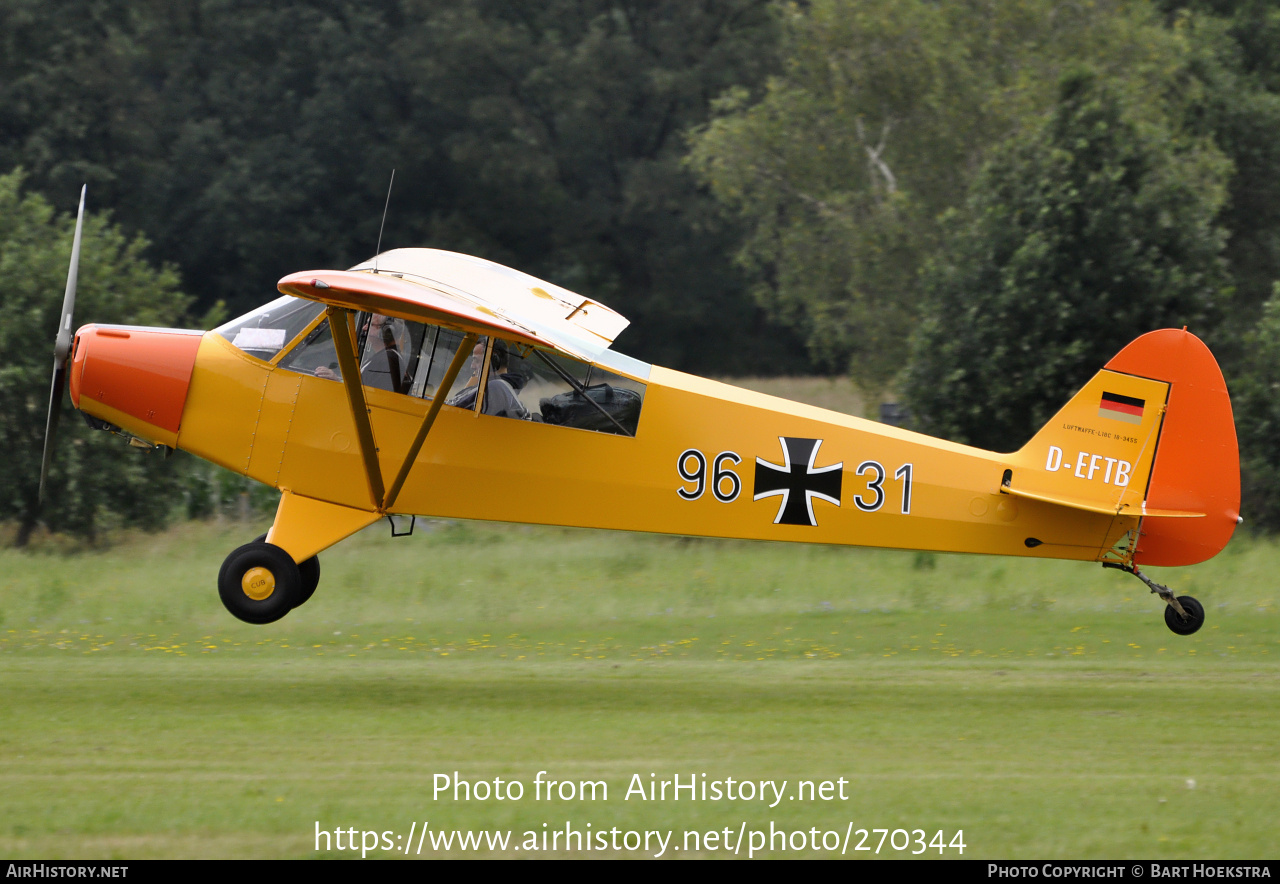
[(258, 583)]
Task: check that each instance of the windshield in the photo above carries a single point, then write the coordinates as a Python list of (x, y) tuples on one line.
[(265, 332)]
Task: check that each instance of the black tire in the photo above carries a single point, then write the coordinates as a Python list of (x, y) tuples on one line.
[(1195, 616), (310, 571), (279, 580)]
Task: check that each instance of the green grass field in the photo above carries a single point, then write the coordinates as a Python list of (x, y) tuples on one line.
[(1042, 708)]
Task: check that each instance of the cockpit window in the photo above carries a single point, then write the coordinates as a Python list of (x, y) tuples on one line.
[(533, 384), (569, 393), (316, 355), (438, 349), (267, 330), (412, 358), (389, 350)]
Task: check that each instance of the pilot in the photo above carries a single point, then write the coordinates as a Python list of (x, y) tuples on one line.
[(500, 394), (385, 355)]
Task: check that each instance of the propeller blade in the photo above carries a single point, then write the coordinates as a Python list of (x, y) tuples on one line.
[(61, 348), (63, 345), (51, 424)]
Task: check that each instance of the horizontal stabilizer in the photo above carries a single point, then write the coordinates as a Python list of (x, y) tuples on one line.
[(1094, 507)]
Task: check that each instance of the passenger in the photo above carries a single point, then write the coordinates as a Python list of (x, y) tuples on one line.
[(500, 397)]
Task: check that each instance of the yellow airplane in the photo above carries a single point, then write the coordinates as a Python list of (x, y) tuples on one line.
[(431, 383)]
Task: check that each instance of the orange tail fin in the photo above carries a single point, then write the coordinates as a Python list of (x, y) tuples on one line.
[(1197, 462), (1151, 435)]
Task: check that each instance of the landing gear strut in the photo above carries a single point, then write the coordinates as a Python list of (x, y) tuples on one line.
[(1182, 614)]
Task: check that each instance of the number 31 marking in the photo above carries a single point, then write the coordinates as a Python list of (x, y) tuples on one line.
[(876, 486), (692, 467)]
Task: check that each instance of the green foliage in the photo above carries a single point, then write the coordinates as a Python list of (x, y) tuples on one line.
[(1075, 239), (1229, 92), (1253, 26), (565, 151), (209, 491), (250, 141), (881, 114), (1255, 394), (94, 477), (812, 165)]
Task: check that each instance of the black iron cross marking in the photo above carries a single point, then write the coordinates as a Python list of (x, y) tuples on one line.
[(797, 481)]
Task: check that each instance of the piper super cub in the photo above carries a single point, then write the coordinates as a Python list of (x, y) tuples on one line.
[(432, 383)]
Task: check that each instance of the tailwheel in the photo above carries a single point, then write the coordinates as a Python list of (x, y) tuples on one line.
[(259, 583), (1183, 614), (1191, 618)]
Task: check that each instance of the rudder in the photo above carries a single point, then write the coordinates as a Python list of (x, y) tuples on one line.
[(1197, 461)]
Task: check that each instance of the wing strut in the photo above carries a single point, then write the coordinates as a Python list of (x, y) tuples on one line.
[(343, 337), (459, 359), (484, 377)]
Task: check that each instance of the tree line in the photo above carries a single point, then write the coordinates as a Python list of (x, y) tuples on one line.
[(971, 205)]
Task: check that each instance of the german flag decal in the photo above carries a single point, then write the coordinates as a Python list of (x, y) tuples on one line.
[(1121, 408)]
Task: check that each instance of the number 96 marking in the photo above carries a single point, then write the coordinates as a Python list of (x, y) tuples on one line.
[(724, 482)]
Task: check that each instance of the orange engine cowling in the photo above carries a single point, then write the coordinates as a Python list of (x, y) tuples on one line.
[(136, 378)]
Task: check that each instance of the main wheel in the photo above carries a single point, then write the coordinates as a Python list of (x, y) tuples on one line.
[(1195, 616), (259, 583), (310, 571)]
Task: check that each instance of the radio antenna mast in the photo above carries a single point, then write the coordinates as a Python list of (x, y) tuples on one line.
[(378, 250)]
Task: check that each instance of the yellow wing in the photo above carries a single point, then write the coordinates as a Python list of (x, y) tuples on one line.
[(471, 294)]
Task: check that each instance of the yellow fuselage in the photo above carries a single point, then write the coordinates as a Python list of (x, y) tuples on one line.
[(699, 460)]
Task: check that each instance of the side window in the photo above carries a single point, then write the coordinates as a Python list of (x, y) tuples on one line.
[(501, 383), (568, 393), (315, 355), (389, 350), (547, 375), (438, 347), (523, 382)]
